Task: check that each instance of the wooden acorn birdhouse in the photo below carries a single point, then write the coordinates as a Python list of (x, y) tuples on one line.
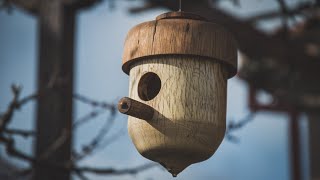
[(178, 66)]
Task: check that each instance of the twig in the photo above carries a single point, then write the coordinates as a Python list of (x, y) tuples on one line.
[(112, 139), (80, 175), (233, 126), (111, 171), (95, 142), (105, 142), (86, 118), (285, 14), (15, 104), (23, 133), (94, 103), (11, 150), (6, 117), (27, 99)]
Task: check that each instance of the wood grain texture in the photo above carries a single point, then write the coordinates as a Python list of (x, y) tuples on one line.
[(180, 37), (190, 110)]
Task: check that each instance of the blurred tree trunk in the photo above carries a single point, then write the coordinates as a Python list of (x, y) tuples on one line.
[(294, 141), (314, 144), (54, 106)]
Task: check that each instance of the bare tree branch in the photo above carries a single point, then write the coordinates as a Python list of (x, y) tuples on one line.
[(95, 144), (298, 10), (233, 126), (284, 17), (93, 103), (19, 132), (96, 141), (81, 175), (112, 171), (6, 117), (15, 104), (12, 151), (86, 118), (111, 139)]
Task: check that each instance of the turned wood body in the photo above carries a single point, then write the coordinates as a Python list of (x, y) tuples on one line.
[(178, 66), (189, 120)]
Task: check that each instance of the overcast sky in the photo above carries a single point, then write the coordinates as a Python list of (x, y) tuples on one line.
[(260, 154)]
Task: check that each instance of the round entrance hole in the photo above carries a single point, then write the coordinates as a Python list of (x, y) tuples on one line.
[(149, 86)]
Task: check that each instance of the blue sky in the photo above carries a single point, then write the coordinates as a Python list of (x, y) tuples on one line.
[(260, 154)]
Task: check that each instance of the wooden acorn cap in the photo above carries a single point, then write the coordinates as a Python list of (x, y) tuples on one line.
[(183, 34)]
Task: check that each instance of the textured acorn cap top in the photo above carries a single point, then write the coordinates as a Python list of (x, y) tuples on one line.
[(183, 34)]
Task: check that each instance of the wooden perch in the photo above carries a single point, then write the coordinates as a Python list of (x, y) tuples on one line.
[(135, 108)]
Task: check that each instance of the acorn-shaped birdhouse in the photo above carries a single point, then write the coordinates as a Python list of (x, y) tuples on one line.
[(178, 65)]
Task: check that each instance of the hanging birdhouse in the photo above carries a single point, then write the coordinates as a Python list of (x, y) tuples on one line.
[(179, 65)]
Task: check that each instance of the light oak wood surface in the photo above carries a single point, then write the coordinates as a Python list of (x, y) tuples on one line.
[(190, 111)]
